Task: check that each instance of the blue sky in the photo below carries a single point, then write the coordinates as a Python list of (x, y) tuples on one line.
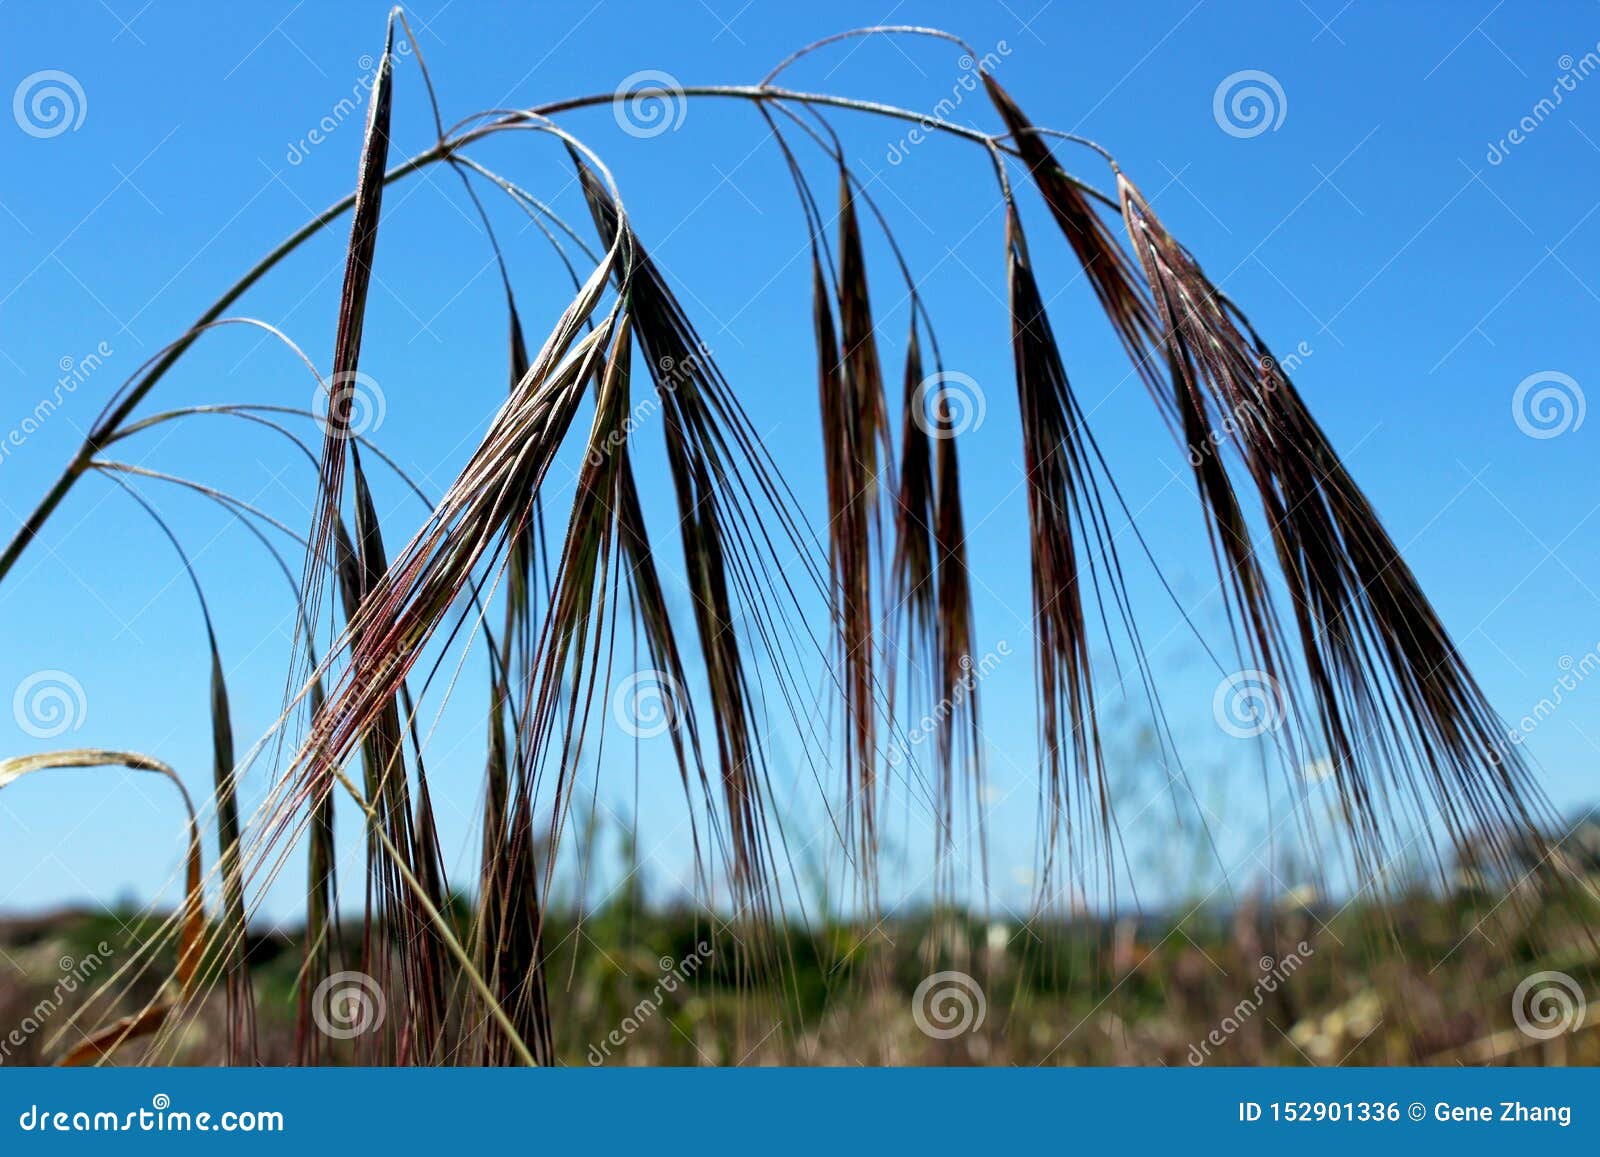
[(1388, 226)]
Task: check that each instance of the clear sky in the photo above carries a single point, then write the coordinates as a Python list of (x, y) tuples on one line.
[(1413, 223)]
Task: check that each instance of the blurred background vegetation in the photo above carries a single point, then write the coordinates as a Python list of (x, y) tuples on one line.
[(1430, 976)]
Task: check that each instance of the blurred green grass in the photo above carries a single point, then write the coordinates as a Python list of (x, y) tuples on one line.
[(1427, 979)]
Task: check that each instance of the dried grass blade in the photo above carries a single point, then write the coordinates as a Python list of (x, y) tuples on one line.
[(352, 315), (102, 1043), (192, 918)]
